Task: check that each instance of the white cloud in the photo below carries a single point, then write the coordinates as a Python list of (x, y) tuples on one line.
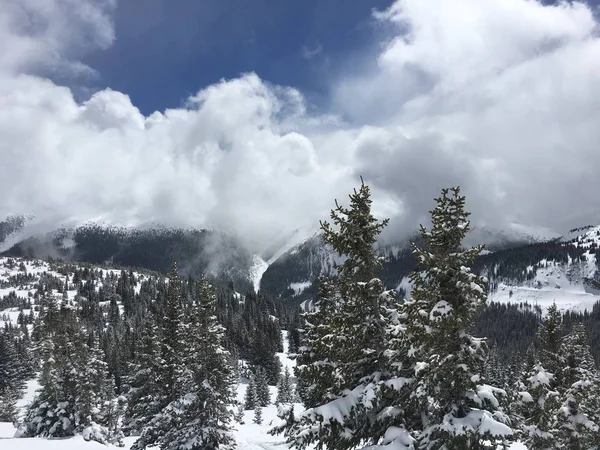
[(311, 52), (499, 96), (49, 35)]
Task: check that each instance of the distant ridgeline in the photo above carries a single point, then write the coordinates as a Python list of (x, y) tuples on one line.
[(292, 277), (196, 251), (515, 264)]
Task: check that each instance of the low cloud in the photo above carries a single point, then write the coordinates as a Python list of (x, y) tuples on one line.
[(498, 96)]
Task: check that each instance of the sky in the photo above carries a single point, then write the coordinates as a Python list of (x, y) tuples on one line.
[(252, 117)]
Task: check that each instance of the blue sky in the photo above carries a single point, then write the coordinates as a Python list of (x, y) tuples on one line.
[(166, 50)]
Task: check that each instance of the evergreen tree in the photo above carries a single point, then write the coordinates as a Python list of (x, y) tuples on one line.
[(344, 377), (52, 411), (171, 349), (144, 391), (94, 394), (200, 417), (8, 406), (316, 362), (263, 395), (551, 338), (577, 417), (285, 392), (457, 409), (258, 414), (157, 420), (250, 399), (239, 415), (360, 326), (10, 372), (538, 406)]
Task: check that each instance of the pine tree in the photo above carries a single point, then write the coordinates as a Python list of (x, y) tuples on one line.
[(171, 337), (200, 417), (538, 406), (9, 378), (53, 412), (144, 391), (239, 415), (284, 388), (263, 395), (344, 377), (258, 415), (316, 362), (457, 409), (158, 419), (250, 399), (577, 417), (551, 339), (360, 326), (94, 395)]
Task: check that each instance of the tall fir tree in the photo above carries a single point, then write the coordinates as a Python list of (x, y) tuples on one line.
[(263, 395), (342, 364), (10, 376), (144, 400), (550, 335), (537, 406), (578, 416), (457, 409), (250, 399), (317, 362), (170, 368), (75, 389), (171, 348), (199, 419), (285, 392)]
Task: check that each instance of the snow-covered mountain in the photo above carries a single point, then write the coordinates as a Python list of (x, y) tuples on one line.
[(524, 264)]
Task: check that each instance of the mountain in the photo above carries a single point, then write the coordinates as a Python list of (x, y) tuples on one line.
[(293, 274), (196, 251), (523, 264)]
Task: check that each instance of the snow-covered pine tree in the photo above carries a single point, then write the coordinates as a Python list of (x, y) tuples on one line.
[(263, 395), (8, 406), (200, 418), (550, 335), (537, 407), (171, 348), (144, 400), (457, 409), (52, 413), (170, 369), (285, 392), (316, 361), (360, 324), (95, 392), (250, 399), (9, 378), (344, 376), (577, 417), (258, 419), (239, 415)]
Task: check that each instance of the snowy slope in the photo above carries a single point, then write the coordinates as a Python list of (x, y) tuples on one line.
[(11, 267), (258, 268), (564, 284)]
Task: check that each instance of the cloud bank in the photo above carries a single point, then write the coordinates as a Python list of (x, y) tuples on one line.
[(499, 96)]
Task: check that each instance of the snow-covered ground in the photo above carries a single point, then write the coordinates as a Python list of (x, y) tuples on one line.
[(553, 282)]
